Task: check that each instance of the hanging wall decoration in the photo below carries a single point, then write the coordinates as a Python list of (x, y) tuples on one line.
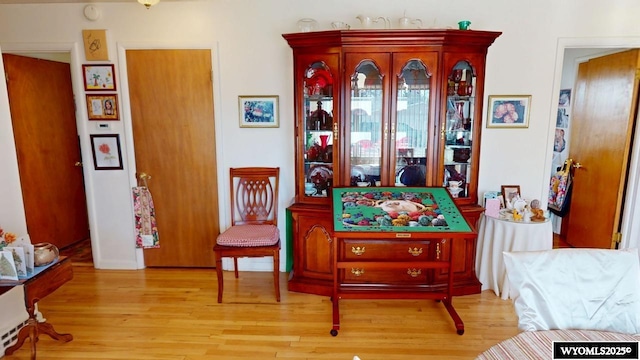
[(95, 45), (99, 77), (102, 106)]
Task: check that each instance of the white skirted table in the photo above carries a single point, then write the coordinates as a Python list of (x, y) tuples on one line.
[(538, 345), (498, 235)]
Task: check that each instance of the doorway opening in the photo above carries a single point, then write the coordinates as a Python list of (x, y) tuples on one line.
[(43, 115), (567, 67)]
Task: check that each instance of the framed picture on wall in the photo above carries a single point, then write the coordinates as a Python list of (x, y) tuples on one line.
[(508, 111), (99, 77), (102, 106), (106, 151), (259, 111), (564, 106)]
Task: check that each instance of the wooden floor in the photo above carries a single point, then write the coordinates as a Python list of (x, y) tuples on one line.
[(559, 242), (172, 314)]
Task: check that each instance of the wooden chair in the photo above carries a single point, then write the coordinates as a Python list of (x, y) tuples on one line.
[(254, 221)]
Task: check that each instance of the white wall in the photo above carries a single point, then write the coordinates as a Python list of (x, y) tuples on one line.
[(252, 58)]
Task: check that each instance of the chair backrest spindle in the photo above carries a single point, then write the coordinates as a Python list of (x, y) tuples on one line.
[(254, 195)]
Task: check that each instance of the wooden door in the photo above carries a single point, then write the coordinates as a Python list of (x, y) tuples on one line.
[(603, 117), (171, 96), (49, 160)]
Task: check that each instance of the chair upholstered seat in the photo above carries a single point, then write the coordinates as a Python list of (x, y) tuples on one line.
[(249, 236)]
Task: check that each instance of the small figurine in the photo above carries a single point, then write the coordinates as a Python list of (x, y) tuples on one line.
[(516, 215), (537, 214)]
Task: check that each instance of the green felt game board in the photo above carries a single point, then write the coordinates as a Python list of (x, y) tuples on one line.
[(396, 209)]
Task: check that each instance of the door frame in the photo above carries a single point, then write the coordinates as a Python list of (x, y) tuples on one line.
[(631, 207), (75, 62), (125, 111)]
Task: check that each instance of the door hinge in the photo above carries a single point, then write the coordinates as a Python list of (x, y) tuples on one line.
[(637, 74), (617, 237)]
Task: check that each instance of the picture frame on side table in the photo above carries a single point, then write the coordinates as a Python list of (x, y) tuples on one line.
[(98, 77), (102, 106), (510, 192), (259, 111), (106, 151), (508, 111)]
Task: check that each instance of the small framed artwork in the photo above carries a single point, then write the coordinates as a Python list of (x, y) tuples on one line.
[(259, 111), (508, 111), (99, 77), (510, 192), (102, 106), (106, 151), (95, 45)]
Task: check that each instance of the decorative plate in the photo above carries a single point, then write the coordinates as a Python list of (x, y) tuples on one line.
[(320, 172)]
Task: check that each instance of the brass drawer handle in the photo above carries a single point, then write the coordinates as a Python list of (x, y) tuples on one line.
[(357, 272), (414, 272), (415, 251), (438, 251), (357, 250)]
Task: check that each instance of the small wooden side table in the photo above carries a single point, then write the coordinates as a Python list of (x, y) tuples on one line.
[(36, 288)]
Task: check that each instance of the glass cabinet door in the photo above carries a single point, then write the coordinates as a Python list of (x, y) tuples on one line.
[(318, 134), (366, 129), (458, 129), (410, 130)]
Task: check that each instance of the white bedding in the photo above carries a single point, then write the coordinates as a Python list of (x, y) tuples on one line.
[(592, 289)]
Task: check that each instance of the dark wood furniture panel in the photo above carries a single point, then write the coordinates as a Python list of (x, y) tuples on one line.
[(394, 277), (362, 116)]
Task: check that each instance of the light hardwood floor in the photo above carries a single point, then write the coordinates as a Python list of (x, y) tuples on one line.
[(172, 314)]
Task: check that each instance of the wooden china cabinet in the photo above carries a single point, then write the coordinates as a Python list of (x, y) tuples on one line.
[(384, 108)]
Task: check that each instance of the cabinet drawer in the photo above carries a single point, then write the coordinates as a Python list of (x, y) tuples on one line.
[(358, 250), (408, 276)]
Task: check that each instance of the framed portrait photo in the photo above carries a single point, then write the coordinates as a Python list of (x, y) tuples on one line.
[(508, 111), (102, 106), (510, 192), (99, 77), (259, 111), (106, 151)]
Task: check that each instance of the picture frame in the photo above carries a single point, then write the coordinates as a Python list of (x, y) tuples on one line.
[(508, 111), (95, 44), (509, 192), (107, 154), (102, 106), (258, 111), (99, 77)]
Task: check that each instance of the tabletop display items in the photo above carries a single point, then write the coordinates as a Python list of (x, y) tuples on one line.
[(19, 259)]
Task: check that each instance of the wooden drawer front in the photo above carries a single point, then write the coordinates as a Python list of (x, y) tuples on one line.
[(408, 276), (357, 250)]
